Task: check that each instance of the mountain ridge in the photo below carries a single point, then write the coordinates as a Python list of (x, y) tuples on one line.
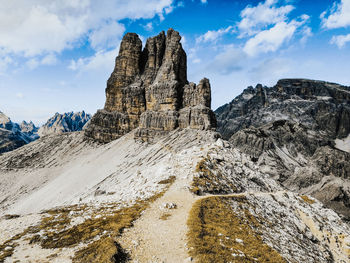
[(163, 186)]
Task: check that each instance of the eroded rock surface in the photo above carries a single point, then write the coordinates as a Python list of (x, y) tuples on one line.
[(148, 91), (318, 105), (301, 159), (66, 122), (14, 135)]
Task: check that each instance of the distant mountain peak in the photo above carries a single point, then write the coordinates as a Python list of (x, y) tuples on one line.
[(66, 122)]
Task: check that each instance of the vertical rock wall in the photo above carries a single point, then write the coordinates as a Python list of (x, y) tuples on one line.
[(148, 92)]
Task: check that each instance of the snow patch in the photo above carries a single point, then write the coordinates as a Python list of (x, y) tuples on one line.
[(343, 144)]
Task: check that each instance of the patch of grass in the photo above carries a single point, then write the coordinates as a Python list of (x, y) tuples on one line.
[(8, 217), (165, 216), (210, 180), (60, 236), (218, 233), (7, 248), (307, 199), (170, 180), (104, 250), (97, 232)]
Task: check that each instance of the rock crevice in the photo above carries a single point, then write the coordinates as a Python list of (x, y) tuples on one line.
[(148, 92)]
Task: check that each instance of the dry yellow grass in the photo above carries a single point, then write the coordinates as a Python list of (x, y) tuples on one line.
[(170, 180), (219, 234), (165, 216), (208, 181), (98, 232), (307, 199)]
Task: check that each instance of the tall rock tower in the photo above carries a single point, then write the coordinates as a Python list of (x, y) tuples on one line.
[(148, 92)]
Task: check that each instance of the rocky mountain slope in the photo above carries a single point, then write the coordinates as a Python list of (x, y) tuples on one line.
[(298, 132), (163, 186), (66, 122), (13, 135), (318, 105)]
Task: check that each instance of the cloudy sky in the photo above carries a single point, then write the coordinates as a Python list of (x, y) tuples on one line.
[(56, 55)]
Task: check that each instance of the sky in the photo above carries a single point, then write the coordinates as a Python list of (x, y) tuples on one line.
[(56, 56)]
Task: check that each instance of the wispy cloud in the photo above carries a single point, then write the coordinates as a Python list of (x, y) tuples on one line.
[(337, 16), (269, 27), (254, 19), (41, 27), (102, 60), (273, 38), (213, 35), (340, 40), (227, 61), (148, 26)]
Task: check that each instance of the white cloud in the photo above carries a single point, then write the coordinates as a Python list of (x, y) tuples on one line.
[(340, 40), (102, 60), (5, 61), (338, 16), (204, 1), (269, 27), (148, 26), (228, 61), (270, 40), (307, 33), (41, 26), (32, 63), (108, 35), (49, 59), (271, 69), (213, 36), (254, 19)]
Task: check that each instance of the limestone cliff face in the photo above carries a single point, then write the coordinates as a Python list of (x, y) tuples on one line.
[(148, 91), (319, 105)]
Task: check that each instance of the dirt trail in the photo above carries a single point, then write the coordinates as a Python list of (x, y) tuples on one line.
[(153, 239), (156, 240)]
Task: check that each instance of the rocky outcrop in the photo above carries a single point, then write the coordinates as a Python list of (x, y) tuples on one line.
[(66, 122), (148, 92), (10, 140), (29, 129), (297, 131), (318, 105), (13, 135), (302, 160)]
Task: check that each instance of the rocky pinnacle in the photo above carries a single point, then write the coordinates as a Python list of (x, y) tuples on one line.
[(148, 92)]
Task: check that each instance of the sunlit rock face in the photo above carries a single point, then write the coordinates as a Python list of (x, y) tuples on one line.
[(148, 91)]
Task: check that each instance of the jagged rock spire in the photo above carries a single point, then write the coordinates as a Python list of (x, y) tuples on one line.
[(148, 91)]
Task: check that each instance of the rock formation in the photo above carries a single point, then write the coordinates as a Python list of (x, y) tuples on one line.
[(148, 92), (318, 105), (13, 135), (296, 131), (66, 122)]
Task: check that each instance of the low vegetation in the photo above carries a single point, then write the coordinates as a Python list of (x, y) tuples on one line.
[(210, 180), (218, 233), (97, 229), (165, 216), (307, 199)]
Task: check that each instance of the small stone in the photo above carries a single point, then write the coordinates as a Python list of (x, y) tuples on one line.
[(169, 205), (240, 241)]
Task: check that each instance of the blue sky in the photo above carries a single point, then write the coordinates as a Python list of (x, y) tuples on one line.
[(55, 56)]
